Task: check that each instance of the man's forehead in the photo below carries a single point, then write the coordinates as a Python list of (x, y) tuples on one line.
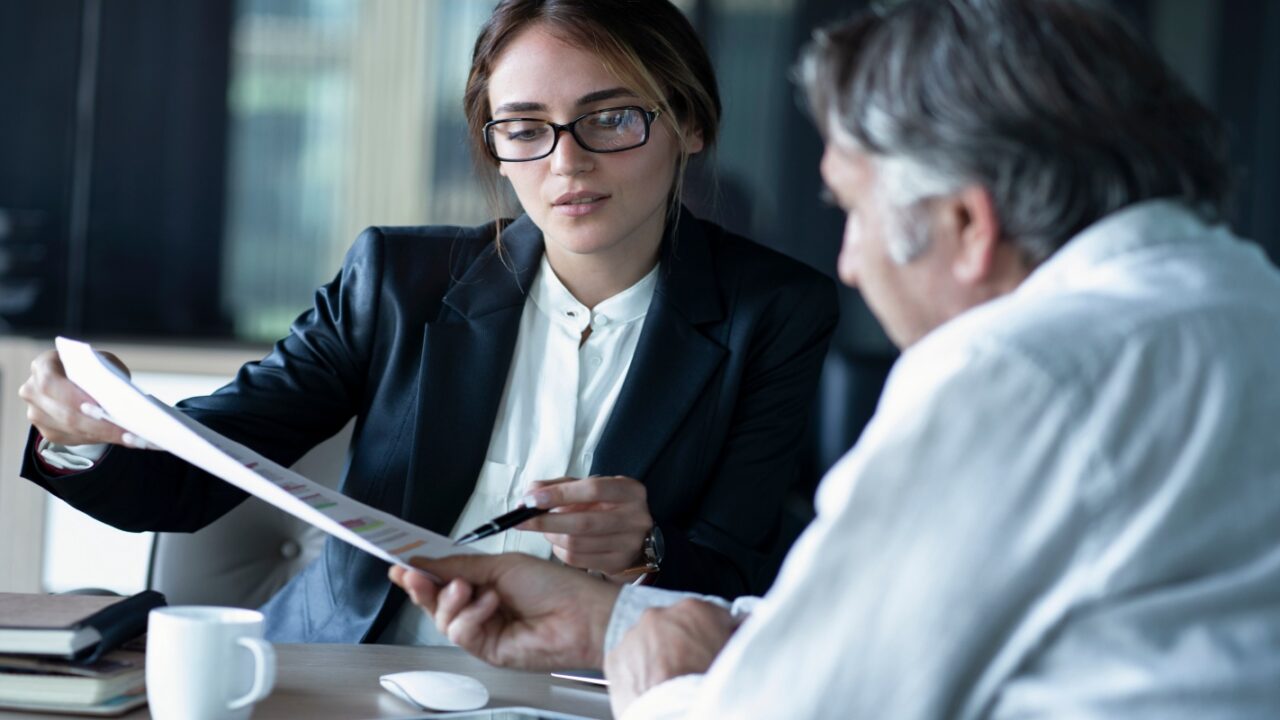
[(837, 134)]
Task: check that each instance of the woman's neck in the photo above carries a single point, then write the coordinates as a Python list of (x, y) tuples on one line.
[(596, 277)]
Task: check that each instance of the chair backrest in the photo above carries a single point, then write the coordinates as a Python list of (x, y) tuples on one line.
[(244, 557)]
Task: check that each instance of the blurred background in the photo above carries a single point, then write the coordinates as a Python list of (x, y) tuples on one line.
[(184, 174), (195, 170)]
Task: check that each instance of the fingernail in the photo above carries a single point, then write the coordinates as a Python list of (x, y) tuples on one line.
[(135, 442), (537, 499), (93, 411)]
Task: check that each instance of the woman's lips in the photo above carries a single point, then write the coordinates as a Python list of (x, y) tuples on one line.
[(577, 204)]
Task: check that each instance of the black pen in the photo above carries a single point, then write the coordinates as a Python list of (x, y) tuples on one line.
[(502, 522)]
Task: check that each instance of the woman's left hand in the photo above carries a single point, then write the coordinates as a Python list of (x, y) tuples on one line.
[(597, 523)]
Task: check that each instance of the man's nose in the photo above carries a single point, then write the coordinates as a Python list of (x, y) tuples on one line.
[(849, 262), (849, 273)]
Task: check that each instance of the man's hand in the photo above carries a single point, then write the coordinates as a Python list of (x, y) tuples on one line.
[(514, 610), (667, 642), (598, 523), (65, 414)]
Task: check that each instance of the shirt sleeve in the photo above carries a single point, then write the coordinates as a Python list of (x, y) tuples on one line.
[(942, 551), (635, 599)]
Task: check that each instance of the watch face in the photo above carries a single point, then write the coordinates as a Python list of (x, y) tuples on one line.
[(658, 544)]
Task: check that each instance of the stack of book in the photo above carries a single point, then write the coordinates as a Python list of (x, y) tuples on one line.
[(77, 654)]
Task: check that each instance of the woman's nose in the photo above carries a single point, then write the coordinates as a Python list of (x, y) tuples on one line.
[(569, 158)]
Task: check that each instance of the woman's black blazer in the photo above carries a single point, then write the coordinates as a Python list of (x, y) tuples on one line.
[(414, 338)]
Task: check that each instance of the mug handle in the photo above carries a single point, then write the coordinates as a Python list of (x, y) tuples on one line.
[(264, 671)]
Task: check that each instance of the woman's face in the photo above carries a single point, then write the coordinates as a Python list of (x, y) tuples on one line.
[(590, 206)]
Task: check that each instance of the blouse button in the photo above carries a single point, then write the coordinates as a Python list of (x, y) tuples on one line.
[(290, 549)]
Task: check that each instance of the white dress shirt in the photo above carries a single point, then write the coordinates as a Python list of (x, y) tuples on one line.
[(559, 394), (1066, 505)]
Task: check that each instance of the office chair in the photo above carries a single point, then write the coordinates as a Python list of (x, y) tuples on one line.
[(244, 557)]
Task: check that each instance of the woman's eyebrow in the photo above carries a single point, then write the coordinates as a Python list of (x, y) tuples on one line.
[(589, 98), (515, 107), (598, 95)]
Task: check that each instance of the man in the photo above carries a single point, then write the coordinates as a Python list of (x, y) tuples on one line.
[(1067, 502)]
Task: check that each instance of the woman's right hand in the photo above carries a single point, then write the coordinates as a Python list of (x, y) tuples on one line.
[(65, 414)]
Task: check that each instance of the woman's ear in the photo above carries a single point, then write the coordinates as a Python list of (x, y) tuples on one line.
[(694, 141)]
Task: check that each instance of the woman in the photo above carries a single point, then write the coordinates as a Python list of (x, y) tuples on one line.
[(645, 374)]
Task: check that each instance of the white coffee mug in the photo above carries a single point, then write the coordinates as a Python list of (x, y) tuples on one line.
[(207, 662)]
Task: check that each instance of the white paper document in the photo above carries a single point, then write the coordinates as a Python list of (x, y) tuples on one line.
[(379, 533)]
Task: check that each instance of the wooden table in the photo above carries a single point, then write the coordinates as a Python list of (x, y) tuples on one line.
[(341, 681)]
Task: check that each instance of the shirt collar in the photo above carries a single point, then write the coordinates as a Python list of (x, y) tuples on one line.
[(555, 301), (1135, 228)]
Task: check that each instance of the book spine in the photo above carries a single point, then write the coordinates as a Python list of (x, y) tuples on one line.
[(120, 622)]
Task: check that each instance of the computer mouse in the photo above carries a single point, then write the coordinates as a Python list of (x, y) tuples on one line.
[(433, 690)]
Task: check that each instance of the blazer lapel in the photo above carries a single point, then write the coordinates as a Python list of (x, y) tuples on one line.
[(466, 356), (673, 359)]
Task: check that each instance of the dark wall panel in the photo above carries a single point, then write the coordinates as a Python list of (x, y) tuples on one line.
[(39, 54), (159, 166), (152, 81), (1248, 99)]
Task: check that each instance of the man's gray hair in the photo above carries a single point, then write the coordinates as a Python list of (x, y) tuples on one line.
[(1056, 107), (902, 186)]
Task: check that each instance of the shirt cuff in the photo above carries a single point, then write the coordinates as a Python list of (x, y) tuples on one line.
[(634, 600), (69, 458), (665, 701)]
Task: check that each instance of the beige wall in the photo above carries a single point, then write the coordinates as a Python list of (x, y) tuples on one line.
[(22, 504)]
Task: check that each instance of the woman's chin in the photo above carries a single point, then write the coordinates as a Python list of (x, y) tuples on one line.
[(580, 246)]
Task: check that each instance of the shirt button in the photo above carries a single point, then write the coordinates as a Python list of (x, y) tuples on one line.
[(601, 321), (586, 459), (595, 361)]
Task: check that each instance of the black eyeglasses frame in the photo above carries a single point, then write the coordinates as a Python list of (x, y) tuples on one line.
[(571, 128)]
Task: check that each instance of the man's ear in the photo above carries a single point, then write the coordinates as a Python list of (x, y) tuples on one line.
[(978, 232)]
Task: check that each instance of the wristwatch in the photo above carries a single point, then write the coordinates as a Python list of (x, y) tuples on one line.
[(653, 550)]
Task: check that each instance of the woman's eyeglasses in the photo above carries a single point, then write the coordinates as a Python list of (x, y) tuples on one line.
[(599, 131)]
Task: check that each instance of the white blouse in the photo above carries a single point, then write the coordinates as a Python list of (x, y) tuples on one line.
[(559, 394)]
